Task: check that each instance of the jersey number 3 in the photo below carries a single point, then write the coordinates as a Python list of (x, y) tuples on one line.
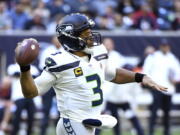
[(97, 89)]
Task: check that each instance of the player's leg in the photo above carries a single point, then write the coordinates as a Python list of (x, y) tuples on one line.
[(17, 116), (114, 112), (166, 106), (47, 102), (130, 114), (30, 107), (7, 114), (2, 112), (157, 99), (97, 131), (70, 127)]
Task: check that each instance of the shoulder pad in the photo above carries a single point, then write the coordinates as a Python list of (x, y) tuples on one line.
[(101, 57), (49, 62), (100, 53)]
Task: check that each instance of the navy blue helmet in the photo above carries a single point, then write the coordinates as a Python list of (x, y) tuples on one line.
[(69, 29)]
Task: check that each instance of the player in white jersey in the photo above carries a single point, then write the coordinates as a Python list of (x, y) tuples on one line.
[(76, 73)]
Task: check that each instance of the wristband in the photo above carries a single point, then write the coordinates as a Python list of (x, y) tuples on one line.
[(25, 68), (139, 77)]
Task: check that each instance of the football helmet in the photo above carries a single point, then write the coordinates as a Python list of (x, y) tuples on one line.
[(69, 29)]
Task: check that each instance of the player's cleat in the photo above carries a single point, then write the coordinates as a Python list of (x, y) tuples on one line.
[(102, 122)]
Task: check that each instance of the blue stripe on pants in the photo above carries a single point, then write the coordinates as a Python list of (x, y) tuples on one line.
[(68, 127)]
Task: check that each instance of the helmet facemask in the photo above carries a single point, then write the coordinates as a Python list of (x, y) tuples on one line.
[(95, 38)]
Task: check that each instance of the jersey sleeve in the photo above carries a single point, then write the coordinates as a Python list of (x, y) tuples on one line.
[(114, 62), (103, 57), (47, 78), (110, 72), (44, 82)]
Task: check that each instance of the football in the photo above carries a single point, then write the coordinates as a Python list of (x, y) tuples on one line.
[(27, 51)]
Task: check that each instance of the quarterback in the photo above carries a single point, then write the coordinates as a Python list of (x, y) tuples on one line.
[(76, 73)]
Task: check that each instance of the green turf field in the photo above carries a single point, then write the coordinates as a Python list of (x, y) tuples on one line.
[(175, 131), (158, 132)]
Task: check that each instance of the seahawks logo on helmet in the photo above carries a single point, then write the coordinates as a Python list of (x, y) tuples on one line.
[(64, 29)]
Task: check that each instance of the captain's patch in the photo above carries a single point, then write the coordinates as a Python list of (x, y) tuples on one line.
[(78, 72)]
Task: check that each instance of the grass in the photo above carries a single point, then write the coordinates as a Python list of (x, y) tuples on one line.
[(175, 131)]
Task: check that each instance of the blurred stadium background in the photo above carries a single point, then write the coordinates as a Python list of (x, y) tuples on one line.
[(132, 24)]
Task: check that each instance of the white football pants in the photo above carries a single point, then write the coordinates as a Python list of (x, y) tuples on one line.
[(66, 126)]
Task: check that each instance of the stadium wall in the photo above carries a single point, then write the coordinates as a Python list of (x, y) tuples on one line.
[(130, 43)]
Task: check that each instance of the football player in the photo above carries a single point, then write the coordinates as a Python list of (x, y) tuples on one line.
[(77, 73)]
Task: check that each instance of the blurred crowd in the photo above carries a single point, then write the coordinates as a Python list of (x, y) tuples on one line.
[(108, 14), (159, 63), (37, 15), (14, 108)]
